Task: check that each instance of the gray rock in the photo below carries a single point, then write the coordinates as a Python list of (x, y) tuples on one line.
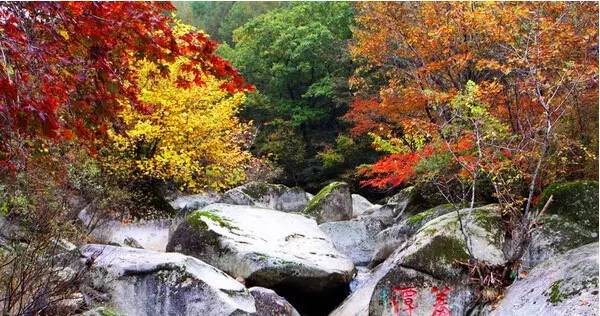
[(10, 230), (354, 238), (439, 243), (563, 285), (332, 203), (359, 205), (194, 202), (273, 196), (427, 260), (570, 221), (268, 303), (149, 234), (405, 202), (264, 247), (395, 236), (131, 242), (143, 282)]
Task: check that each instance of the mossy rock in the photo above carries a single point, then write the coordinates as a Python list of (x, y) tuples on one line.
[(576, 201), (193, 236), (332, 203), (570, 221), (439, 245)]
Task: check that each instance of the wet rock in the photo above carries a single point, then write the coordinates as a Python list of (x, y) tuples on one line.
[(562, 285), (143, 282), (332, 203)]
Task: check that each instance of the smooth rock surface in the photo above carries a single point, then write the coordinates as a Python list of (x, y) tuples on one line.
[(264, 247), (563, 285), (359, 205), (142, 282), (332, 203), (354, 238), (272, 196)]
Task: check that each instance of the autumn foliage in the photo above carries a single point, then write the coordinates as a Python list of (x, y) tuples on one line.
[(191, 135), (65, 66), (533, 69)]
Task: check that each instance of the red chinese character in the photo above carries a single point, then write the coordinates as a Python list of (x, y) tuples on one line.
[(440, 308), (407, 295)]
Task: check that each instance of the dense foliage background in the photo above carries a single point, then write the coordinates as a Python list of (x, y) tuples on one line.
[(114, 106)]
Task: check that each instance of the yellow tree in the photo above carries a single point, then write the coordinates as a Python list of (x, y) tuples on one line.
[(190, 135)]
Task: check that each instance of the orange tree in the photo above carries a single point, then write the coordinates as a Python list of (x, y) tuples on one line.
[(534, 70)]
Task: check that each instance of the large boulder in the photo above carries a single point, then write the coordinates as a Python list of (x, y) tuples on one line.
[(395, 236), (426, 265), (268, 303), (354, 238), (571, 220), (359, 205), (441, 242), (273, 196), (563, 285), (332, 203), (147, 234), (142, 282), (282, 251)]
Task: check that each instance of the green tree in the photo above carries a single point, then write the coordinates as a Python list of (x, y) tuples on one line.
[(297, 58)]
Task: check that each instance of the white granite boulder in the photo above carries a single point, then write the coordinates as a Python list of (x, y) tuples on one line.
[(138, 282)]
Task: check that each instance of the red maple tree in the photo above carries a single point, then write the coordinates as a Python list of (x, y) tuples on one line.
[(65, 66)]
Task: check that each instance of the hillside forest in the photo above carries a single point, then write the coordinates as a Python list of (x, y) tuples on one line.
[(119, 107)]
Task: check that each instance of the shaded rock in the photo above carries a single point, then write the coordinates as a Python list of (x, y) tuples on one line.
[(563, 285), (332, 203), (393, 237), (144, 282), (359, 205), (272, 196), (268, 303), (148, 234), (282, 251), (354, 238), (10, 230), (570, 221)]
